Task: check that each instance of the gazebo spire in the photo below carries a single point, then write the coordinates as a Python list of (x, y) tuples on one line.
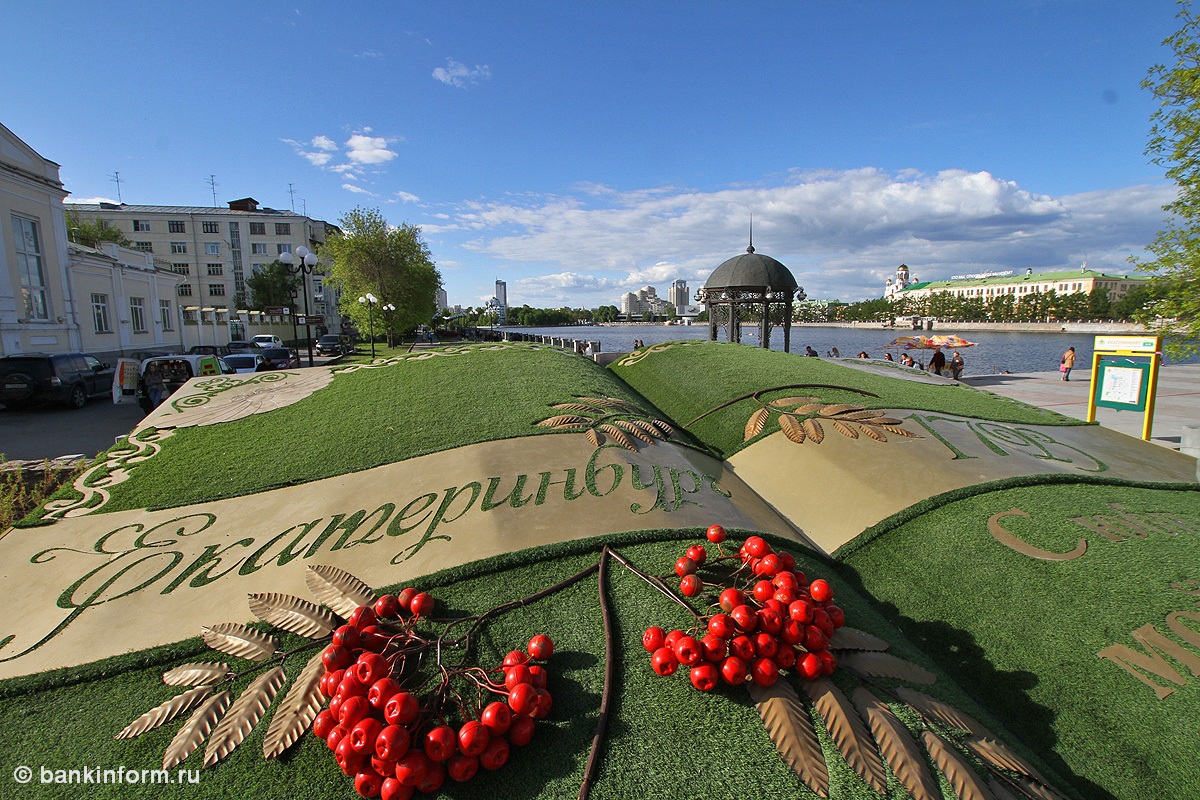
[(750, 249)]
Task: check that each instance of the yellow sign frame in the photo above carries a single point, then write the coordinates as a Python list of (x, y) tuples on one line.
[(1127, 346)]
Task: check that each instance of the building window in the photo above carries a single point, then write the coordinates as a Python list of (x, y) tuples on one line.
[(144, 247), (283, 229), (141, 226), (258, 249), (178, 248), (280, 249), (185, 290), (216, 290), (166, 315), (176, 226), (257, 268), (181, 268), (137, 314), (216, 269), (212, 248), (100, 313), (211, 227), (29, 263), (258, 229)]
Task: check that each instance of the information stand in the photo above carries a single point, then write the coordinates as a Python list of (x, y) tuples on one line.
[(1123, 378)]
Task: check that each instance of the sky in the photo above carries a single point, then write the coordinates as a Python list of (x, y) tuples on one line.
[(579, 151)]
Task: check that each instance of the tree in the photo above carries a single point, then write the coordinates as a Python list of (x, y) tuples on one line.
[(390, 262), (272, 286), (1175, 144), (92, 232)]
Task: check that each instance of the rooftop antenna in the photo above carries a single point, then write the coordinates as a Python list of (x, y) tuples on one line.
[(212, 182), (116, 178), (292, 192), (750, 249), (304, 207)]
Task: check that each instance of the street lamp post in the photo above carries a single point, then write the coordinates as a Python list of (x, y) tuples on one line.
[(390, 310), (370, 301), (302, 264)]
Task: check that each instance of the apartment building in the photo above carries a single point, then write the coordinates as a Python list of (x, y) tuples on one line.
[(990, 284), (216, 250)]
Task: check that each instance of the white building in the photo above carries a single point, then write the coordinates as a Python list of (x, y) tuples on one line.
[(443, 302), (37, 309), (679, 296)]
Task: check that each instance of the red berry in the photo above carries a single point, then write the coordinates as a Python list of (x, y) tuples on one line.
[(742, 647), (801, 611), (516, 675), (770, 565), (537, 676), (544, 702), (715, 534), (757, 546), (814, 639), (405, 598), (763, 590), (336, 657), (653, 638), (820, 590), (473, 736), (401, 708), (769, 620), (684, 566), (335, 707), (440, 743), (785, 657), (387, 607), (522, 699), (334, 737), (664, 661), (541, 647), (392, 743), (745, 618), (433, 779), (422, 604), (373, 638), (721, 625), (368, 783), (363, 735), (688, 651), (495, 754), (785, 597), (828, 662), (690, 585), (672, 637), (792, 632), (323, 724), (836, 616), (521, 731), (809, 666), (788, 562), (346, 636), (733, 670), (714, 648), (351, 686), (372, 667), (765, 645), (462, 767), (412, 768), (393, 789), (361, 617), (516, 657), (731, 599), (347, 759), (497, 717), (704, 676), (698, 554), (785, 579), (353, 709), (764, 671), (381, 691)]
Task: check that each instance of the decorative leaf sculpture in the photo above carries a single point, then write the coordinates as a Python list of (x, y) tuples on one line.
[(938, 711), (338, 589), (898, 747), (754, 425), (847, 638), (618, 436), (196, 729), (967, 785), (243, 715), (885, 665), (848, 732), (298, 709), (594, 437), (165, 712), (1001, 756), (792, 429), (791, 729), (292, 614), (197, 674), (240, 640), (609, 419)]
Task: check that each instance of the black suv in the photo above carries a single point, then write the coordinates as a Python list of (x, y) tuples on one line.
[(68, 378)]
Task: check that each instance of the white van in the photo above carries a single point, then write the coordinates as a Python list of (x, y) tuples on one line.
[(265, 340)]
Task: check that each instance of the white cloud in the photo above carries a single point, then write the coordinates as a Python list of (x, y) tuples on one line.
[(324, 143), (350, 187), (405, 197), (91, 200), (842, 233), (460, 75), (362, 149)]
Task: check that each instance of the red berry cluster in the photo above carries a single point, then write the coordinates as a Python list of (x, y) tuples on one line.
[(768, 617), (395, 741)]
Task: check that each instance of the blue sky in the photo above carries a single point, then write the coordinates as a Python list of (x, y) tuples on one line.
[(582, 150)]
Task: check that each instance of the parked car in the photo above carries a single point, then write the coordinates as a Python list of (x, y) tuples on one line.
[(208, 350), (247, 362), (239, 346), (67, 378), (333, 345), (178, 370), (281, 358), (265, 340)]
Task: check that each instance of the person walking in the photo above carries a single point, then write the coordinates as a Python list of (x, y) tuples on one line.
[(956, 365), (937, 361), (1067, 364)]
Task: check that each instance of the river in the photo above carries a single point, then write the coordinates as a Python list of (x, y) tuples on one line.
[(993, 351)]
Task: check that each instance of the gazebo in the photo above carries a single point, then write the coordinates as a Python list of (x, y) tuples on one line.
[(754, 281)]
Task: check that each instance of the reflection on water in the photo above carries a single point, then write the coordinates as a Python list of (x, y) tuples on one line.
[(994, 351)]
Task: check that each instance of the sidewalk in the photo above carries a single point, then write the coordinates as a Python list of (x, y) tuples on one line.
[(1177, 399)]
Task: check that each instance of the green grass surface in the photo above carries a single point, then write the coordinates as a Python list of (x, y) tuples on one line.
[(1022, 634), (367, 418), (686, 381), (665, 740)]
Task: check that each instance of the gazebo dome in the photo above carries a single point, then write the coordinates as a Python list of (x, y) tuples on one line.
[(751, 270)]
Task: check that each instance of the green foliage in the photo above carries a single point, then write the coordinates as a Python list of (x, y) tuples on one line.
[(390, 262), (19, 496), (272, 285), (606, 314), (92, 232), (1175, 144)]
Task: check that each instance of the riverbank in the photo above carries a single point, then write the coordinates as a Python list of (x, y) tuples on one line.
[(1098, 328)]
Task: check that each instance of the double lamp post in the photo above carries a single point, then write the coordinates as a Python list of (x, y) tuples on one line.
[(302, 264), (370, 301)]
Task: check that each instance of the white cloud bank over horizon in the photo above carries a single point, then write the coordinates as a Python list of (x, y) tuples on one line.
[(842, 233)]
